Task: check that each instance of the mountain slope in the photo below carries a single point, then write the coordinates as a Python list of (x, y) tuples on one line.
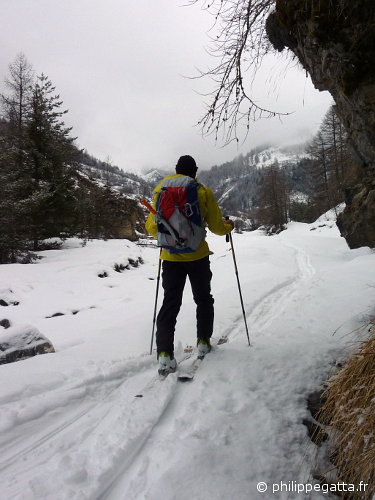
[(237, 184), (109, 175)]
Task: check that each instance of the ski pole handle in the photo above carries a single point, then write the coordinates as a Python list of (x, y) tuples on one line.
[(148, 206)]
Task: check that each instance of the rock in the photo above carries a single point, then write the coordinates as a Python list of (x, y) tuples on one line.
[(315, 429), (5, 323), (315, 432), (7, 298), (315, 401), (357, 222), (335, 43), (55, 315), (22, 342)]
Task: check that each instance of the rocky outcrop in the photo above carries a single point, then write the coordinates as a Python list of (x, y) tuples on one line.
[(335, 43), (22, 342), (357, 222), (131, 220)]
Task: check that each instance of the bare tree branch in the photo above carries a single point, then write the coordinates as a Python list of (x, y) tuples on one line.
[(240, 44)]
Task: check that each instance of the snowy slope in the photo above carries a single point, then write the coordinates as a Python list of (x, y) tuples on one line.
[(153, 177), (93, 421), (277, 154)]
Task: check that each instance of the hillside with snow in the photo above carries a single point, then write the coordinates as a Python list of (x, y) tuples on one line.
[(236, 184), (265, 156), (106, 174), (92, 420)]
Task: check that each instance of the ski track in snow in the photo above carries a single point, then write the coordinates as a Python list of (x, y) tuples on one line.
[(98, 414), (102, 411), (96, 408), (264, 312), (270, 305)]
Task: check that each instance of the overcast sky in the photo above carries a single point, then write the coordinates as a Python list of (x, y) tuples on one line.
[(119, 67)]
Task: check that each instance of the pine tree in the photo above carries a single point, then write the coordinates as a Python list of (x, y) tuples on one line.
[(37, 164), (50, 165)]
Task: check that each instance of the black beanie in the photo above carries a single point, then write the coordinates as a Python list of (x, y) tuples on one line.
[(186, 166)]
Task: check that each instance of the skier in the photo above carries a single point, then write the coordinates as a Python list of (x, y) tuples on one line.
[(177, 265)]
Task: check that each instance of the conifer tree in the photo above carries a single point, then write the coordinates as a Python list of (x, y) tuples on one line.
[(50, 164)]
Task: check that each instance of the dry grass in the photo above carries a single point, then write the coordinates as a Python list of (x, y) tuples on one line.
[(349, 416)]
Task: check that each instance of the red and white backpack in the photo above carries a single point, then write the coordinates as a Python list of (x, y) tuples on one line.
[(178, 216)]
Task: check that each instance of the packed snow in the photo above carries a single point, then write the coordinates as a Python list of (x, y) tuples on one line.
[(92, 420)]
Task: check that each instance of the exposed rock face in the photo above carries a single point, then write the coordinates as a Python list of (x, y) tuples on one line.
[(357, 222), (22, 342), (129, 221), (335, 42)]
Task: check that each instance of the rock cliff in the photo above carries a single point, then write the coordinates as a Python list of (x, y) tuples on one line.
[(335, 43)]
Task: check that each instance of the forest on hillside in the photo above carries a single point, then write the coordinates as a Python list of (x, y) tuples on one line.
[(270, 192), (52, 189), (44, 191)]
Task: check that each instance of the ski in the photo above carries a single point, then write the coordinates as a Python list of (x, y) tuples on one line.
[(187, 374), (187, 368), (163, 375)]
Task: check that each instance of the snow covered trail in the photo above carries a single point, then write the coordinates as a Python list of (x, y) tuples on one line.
[(60, 430), (92, 421), (269, 306), (215, 442)]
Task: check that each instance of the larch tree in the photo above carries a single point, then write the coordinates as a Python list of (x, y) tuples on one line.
[(14, 208), (274, 199)]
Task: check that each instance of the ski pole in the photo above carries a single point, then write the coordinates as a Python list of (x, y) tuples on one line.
[(156, 304), (229, 238), (153, 211)]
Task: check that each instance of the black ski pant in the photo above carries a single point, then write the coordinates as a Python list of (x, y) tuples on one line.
[(174, 279)]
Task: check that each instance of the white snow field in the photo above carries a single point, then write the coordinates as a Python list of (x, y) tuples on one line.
[(93, 421)]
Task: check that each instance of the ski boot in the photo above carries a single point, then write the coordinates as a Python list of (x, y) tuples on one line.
[(204, 347), (166, 364)]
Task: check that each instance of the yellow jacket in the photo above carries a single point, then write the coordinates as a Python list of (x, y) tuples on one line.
[(211, 215)]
